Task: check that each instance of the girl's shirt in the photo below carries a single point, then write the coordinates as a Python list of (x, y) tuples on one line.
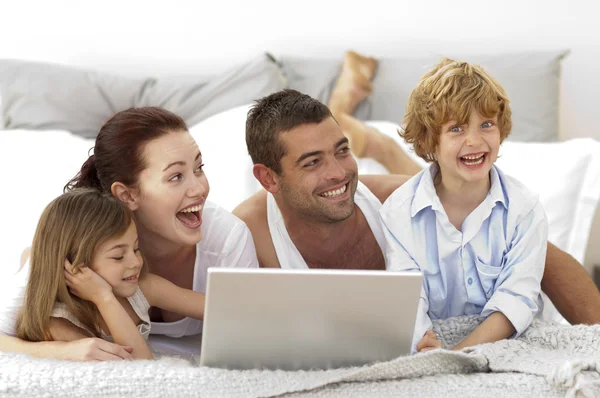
[(495, 264), (138, 303)]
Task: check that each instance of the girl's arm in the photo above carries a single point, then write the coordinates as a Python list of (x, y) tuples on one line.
[(166, 295), (90, 286), (495, 327)]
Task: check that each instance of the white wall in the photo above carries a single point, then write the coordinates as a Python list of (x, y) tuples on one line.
[(158, 37), (155, 37)]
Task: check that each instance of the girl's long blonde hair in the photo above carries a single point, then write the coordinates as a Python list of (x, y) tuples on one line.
[(71, 227)]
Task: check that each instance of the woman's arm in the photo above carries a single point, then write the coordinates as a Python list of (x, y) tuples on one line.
[(166, 295), (86, 349)]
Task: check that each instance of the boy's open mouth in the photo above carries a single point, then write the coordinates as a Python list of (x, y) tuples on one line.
[(474, 159)]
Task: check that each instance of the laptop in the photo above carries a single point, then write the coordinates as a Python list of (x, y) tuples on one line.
[(307, 319)]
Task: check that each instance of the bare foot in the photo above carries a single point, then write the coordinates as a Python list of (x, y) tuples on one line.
[(353, 84), (365, 141)]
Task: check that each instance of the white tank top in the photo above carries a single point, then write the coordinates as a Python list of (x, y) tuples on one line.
[(288, 255)]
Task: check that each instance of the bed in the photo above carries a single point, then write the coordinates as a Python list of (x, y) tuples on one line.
[(51, 113)]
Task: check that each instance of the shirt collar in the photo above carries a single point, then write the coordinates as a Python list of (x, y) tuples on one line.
[(426, 195)]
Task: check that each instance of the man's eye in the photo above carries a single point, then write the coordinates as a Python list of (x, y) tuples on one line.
[(311, 163), (344, 150)]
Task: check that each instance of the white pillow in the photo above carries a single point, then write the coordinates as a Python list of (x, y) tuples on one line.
[(34, 168), (222, 142), (566, 175)]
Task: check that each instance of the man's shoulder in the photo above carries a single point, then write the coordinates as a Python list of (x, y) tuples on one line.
[(382, 186), (253, 210)]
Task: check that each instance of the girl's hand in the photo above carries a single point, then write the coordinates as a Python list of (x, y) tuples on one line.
[(87, 284), (428, 342)]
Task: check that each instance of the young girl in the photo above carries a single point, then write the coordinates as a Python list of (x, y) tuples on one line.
[(478, 236), (85, 266)]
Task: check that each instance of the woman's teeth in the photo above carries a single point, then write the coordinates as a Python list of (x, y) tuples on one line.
[(334, 193), (192, 209)]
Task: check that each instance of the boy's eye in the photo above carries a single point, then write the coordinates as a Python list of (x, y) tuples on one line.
[(487, 125), (455, 129)]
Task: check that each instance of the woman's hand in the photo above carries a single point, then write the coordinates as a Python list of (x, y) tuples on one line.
[(87, 284), (93, 349), (428, 342)]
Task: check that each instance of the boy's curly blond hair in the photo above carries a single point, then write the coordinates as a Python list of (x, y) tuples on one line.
[(450, 91)]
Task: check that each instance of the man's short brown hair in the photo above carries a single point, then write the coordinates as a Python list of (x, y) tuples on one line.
[(274, 114), (451, 91)]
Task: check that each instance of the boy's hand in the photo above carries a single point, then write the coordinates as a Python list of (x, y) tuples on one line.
[(428, 342), (87, 284)]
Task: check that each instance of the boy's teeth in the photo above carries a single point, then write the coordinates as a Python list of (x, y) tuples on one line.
[(191, 209), (337, 192)]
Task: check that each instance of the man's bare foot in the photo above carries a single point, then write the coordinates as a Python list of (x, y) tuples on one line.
[(353, 84)]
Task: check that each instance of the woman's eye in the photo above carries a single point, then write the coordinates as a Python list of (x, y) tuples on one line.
[(199, 169), (176, 177)]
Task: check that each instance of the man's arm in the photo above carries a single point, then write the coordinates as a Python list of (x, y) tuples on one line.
[(570, 288), (253, 211), (384, 185)]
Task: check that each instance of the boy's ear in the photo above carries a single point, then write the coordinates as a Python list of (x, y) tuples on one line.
[(267, 178), (125, 194)]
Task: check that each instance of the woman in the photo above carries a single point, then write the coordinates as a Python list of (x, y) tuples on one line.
[(146, 158)]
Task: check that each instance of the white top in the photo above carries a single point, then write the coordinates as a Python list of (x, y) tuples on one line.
[(494, 264), (138, 303), (226, 242), (288, 255)]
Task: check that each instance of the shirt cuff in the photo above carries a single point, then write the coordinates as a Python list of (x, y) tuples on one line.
[(517, 312), (422, 325)]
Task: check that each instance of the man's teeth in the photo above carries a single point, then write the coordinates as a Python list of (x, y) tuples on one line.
[(334, 193), (191, 209)]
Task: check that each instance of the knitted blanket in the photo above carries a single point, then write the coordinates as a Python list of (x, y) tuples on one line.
[(546, 360)]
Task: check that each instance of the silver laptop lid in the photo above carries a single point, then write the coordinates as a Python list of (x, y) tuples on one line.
[(303, 319)]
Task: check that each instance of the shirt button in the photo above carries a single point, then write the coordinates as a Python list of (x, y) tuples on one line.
[(470, 281)]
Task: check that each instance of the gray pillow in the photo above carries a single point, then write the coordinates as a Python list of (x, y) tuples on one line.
[(48, 96), (531, 80)]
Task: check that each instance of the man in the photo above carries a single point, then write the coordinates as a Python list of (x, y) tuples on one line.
[(315, 213)]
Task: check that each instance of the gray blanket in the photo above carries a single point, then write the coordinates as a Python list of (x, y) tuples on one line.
[(547, 360)]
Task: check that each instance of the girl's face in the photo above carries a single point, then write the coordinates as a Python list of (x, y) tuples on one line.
[(119, 262), (466, 153), (172, 191)]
